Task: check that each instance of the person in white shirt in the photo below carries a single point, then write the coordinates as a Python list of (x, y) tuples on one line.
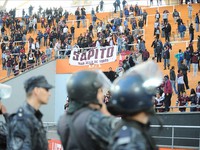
[(65, 30), (159, 101), (165, 17), (98, 45), (56, 49)]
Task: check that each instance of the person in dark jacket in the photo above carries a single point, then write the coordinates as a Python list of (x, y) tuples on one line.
[(111, 75), (166, 57), (172, 77), (187, 57), (184, 70), (191, 32), (25, 127)]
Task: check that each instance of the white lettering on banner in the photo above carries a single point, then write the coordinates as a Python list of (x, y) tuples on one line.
[(94, 56)]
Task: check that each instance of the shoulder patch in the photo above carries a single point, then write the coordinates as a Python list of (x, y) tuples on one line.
[(124, 135)]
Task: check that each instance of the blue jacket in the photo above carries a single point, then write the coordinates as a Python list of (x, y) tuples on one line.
[(181, 28)]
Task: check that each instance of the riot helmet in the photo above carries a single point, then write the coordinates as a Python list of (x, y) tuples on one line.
[(5, 91), (133, 92), (82, 86)]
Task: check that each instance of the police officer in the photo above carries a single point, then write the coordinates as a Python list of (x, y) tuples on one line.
[(132, 100), (5, 92), (84, 126), (25, 128)]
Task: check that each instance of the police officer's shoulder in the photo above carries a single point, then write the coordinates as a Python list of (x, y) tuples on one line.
[(126, 135), (96, 117), (20, 116)]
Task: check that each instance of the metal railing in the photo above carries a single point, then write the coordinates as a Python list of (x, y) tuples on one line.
[(49, 125), (173, 137)]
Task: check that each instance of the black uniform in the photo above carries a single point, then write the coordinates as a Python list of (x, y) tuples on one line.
[(90, 134), (26, 131), (84, 127), (130, 99), (132, 136)]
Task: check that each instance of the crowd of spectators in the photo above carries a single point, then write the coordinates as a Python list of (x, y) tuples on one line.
[(57, 35)]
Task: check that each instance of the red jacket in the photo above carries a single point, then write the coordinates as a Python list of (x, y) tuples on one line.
[(167, 87)]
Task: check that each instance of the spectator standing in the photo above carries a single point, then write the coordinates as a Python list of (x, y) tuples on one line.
[(197, 22), (181, 30), (179, 56), (166, 57), (111, 74), (159, 102), (172, 77), (165, 16), (119, 43), (194, 61), (9, 66), (193, 100), (56, 49), (167, 31), (73, 31), (154, 44), (180, 82), (191, 32), (101, 5), (175, 15), (159, 49), (168, 92), (182, 101), (190, 9), (157, 15), (77, 13), (187, 57), (124, 3), (184, 70), (144, 16), (145, 55), (198, 89)]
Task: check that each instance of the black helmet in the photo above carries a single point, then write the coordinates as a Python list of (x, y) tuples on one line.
[(129, 96), (83, 86), (133, 92)]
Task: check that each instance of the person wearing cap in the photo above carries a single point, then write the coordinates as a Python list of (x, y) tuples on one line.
[(84, 125), (25, 127)]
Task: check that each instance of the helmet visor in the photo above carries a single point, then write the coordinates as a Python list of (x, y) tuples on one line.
[(5, 91), (104, 81), (150, 73)]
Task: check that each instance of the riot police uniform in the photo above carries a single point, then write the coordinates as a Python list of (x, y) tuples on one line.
[(131, 95), (5, 92), (25, 127), (83, 127)]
